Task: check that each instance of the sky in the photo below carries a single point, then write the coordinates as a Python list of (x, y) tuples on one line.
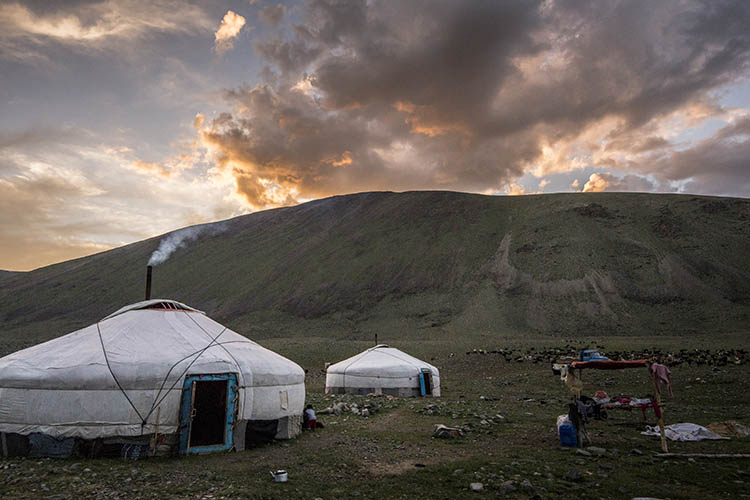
[(122, 120)]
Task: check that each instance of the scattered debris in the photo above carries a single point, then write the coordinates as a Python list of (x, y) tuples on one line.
[(730, 428)]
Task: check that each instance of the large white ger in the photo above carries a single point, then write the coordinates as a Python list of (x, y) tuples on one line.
[(157, 373), (383, 370)]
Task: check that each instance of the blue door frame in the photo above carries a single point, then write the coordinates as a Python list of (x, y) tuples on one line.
[(425, 382), (186, 411)]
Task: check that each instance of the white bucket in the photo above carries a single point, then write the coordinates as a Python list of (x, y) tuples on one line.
[(280, 476)]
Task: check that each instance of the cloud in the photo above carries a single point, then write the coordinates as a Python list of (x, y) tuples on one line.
[(157, 168), (434, 95), (272, 14), (514, 189), (599, 182), (64, 194), (230, 28), (718, 165), (31, 231), (25, 33), (171, 166)]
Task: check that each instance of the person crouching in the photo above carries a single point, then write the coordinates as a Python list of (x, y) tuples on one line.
[(310, 420)]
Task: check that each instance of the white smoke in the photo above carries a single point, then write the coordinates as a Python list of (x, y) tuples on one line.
[(180, 238)]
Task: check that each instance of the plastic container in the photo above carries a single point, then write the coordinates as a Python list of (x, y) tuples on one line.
[(567, 432), (280, 476)]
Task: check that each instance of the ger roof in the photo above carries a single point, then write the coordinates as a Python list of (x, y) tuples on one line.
[(145, 345), (381, 360)]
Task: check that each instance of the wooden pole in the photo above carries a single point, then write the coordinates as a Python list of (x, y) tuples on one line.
[(155, 439), (657, 395), (703, 455)]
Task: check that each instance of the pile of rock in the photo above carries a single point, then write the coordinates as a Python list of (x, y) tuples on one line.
[(698, 357), (343, 407)]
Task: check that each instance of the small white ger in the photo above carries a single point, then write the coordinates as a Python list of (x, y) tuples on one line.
[(383, 370)]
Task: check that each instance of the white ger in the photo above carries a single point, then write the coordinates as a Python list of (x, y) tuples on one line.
[(383, 370), (154, 375)]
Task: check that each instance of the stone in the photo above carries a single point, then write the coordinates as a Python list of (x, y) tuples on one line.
[(583, 453), (597, 451), (574, 476), (445, 432), (476, 487), (509, 487), (636, 451), (526, 484)]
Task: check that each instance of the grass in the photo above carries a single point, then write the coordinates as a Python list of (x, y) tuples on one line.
[(438, 275), (392, 454), (428, 265)]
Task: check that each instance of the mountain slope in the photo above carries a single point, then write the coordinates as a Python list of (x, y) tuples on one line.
[(426, 264)]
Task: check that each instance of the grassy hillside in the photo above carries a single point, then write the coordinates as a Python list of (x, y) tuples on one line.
[(427, 265)]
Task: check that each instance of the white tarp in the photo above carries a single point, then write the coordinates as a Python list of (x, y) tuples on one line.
[(380, 367), (65, 387), (683, 432)]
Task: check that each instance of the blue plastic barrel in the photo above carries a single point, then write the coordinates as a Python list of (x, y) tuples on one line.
[(568, 435)]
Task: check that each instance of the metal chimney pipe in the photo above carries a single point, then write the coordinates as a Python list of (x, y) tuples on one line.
[(148, 282)]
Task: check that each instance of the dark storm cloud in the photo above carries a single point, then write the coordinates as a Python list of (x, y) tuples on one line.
[(717, 165), (441, 94), (272, 14)]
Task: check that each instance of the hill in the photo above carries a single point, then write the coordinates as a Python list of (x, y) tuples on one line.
[(426, 265)]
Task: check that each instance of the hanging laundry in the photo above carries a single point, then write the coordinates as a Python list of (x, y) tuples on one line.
[(662, 374)]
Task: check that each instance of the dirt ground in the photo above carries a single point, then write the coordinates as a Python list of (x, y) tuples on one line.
[(508, 410)]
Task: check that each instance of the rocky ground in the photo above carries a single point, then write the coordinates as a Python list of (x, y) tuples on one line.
[(383, 447)]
